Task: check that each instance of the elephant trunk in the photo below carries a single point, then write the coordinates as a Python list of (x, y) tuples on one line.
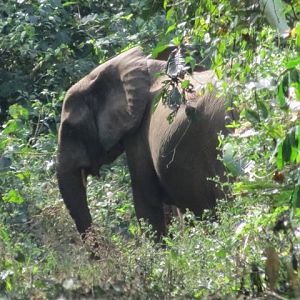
[(72, 185)]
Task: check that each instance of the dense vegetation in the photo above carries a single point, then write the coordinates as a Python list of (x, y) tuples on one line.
[(254, 247)]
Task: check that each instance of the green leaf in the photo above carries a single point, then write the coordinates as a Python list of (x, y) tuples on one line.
[(222, 47), (231, 161), (281, 97), (252, 116), (296, 85), (156, 102), (296, 197), (162, 95), (297, 135), (279, 157), (128, 17), (294, 76), (293, 63), (297, 31), (286, 149), (190, 61), (169, 14), (10, 127), (221, 253), (177, 40), (159, 49), (219, 73), (264, 111), (17, 111), (218, 61), (171, 28), (290, 146), (69, 3), (165, 3), (185, 83), (4, 235), (13, 197), (294, 145)]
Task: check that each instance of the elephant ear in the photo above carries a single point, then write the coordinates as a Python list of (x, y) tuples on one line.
[(122, 88)]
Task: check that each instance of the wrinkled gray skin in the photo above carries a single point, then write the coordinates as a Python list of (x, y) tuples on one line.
[(109, 111)]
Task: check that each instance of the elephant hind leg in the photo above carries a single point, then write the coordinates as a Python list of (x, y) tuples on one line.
[(172, 211), (148, 194), (154, 215)]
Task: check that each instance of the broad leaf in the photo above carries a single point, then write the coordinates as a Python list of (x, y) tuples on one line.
[(13, 196), (252, 116)]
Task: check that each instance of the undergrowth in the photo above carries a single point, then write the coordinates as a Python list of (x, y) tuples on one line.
[(44, 258)]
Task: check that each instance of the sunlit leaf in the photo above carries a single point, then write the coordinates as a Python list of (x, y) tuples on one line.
[(177, 40), (169, 14), (171, 28), (293, 63), (128, 17), (185, 83), (159, 49), (69, 3), (222, 47), (165, 4), (13, 196), (11, 126), (294, 145), (17, 111)]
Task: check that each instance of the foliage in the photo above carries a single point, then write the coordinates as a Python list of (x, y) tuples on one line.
[(175, 87), (47, 45), (253, 247)]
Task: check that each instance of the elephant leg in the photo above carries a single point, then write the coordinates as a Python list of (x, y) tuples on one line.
[(149, 209), (171, 212), (148, 194)]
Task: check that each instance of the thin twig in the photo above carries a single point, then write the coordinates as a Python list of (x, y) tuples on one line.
[(180, 139)]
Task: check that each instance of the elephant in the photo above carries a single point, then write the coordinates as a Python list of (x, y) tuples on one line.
[(110, 111)]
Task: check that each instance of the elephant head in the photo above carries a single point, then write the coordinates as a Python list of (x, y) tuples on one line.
[(98, 111)]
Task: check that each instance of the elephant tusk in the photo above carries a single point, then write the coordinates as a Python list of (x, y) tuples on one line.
[(83, 176)]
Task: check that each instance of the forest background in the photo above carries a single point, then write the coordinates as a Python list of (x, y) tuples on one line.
[(252, 250)]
